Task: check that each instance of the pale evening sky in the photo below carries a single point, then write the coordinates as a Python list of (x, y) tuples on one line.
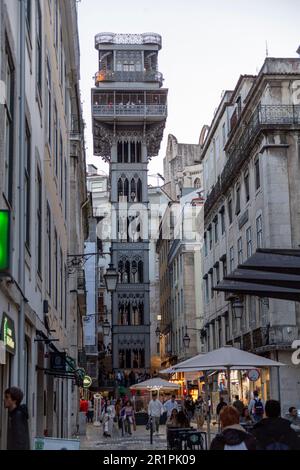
[(205, 48)]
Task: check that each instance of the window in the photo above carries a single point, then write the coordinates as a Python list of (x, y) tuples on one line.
[(55, 269), (224, 134), (28, 15), (49, 102), (217, 273), (39, 222), (231, 259), (55, 139), (222, 214), (211, 284), (205, 244), (209, 231), (237, 200), (247, 187), (257, 174), (206, 290), (252, 310), (224, 261), (259, 240), (249, 242), (48, 250), (27, 183), (216, 221), (9, 124), (240, 250), (227, 330), (39, 61), (230, 210)]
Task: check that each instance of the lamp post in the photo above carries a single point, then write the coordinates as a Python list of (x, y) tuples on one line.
[(111, 281)]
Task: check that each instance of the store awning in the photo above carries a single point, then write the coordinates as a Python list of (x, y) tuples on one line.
[(268, 273)]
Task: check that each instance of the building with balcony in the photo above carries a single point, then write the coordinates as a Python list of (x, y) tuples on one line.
[(129, 110), (251, 183)]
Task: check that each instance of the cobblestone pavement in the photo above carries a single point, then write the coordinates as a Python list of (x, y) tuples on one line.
[(140, 439)]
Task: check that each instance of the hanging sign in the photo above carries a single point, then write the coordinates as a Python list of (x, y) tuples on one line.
[(8, 334), (87, 381)]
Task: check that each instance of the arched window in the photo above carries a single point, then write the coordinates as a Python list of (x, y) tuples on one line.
[(133, 193), (120, 152), (134, 270), (197, 183), (125, 147), (121, 359), (127, 272), (120, 188), (138, 152), (126, 188), (140, 271), (133, 152), (121, 271), (139, 190)]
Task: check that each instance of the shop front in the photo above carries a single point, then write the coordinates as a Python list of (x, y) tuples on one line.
[(7, 358)]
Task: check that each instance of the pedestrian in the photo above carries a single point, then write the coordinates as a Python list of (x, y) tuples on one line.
[(170, 405), (118, 417), (232, 436), (238, 404), (108, 414), (127, 414), (200, 412), (182, 419), (220, 405), (90, 411), (293, 418), (274, 432), (189, 407), (256, 407), (245, 417), (172, 422), (17, 430), (155, 410)]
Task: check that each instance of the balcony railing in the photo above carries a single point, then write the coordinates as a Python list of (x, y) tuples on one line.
[(130, 110), (112, 38), (126, 76), (263, 117)]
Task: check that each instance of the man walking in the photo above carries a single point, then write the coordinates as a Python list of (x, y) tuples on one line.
[(238, 404), (256, 407), (155, 410), (170, 405), (17, 431)]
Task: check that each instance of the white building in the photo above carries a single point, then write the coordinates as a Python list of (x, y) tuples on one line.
[(251, 181), (41, 186)]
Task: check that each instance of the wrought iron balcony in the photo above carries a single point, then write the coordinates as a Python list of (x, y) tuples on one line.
[(122, 76), (265, 117), (100, 110), (140, 39)]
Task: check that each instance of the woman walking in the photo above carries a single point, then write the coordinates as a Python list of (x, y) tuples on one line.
[(108, 415), (127, 414)]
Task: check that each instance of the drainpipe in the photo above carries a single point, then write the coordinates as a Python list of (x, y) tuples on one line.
[(21, 337)]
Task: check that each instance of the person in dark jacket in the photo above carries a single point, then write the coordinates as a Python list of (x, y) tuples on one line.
[(274, 432), (17, 431), (233, 435)]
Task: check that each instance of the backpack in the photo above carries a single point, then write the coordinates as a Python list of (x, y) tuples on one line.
[(258, 408)]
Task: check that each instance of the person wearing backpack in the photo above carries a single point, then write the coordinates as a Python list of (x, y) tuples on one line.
[(274, 432), (256, 407)]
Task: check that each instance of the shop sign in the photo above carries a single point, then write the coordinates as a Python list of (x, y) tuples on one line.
[(58, 361), (4, 240), (8, 334), (87, 381), (253, 375)]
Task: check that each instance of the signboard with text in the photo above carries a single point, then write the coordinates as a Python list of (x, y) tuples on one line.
[(8, 334), (4, 240)]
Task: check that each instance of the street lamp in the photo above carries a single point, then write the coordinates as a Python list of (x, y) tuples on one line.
[(237, 307), (106, 327), (186, 340), (157, 332), (111, 278)]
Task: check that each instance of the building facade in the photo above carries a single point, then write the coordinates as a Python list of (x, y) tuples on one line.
[(41, 137), (129, 110), (251, 181)]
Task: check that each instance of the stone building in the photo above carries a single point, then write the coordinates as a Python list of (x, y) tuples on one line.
[(42, 186), (250, 162), (129, 110)]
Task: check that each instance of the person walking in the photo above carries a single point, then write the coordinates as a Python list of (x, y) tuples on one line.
[(108, 415), (171, 405), (233, 436), (127, 414), (155, 410), (293, 418), (274, 432), (220, 405), (90, 411), (189, 407), (256, 407), (200, 412), (17, 430), (238, 404)]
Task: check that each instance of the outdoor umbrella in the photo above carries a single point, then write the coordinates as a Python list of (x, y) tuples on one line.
[(155, 384)]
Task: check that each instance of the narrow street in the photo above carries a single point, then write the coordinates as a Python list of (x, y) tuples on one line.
[(140, 439)]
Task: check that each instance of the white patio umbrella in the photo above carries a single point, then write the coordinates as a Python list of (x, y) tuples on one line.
[(155, 384), (226, 358)]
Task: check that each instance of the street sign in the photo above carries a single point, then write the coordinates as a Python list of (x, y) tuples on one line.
[(253, 375), (87, 381)]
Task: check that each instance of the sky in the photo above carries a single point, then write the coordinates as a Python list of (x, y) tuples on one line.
[(206, 46)]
